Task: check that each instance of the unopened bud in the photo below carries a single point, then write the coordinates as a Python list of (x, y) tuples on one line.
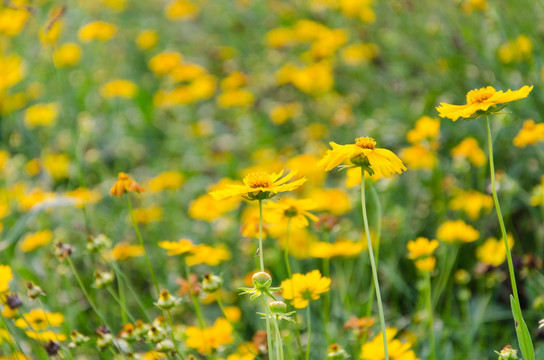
[(211, 283), (166, 300), (62, 250), (103, 279), (98, 243), (261, 279), (77, 338), (165, 346), (105, 338), (336, 352), (278, 307), (34, 291)]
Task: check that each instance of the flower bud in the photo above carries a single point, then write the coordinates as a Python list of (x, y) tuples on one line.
[(335, 352), (155, 334), (165, 346), (62, 250), (97, 243), (127, 332), (507, 353), (211, 283), (103, 279), (13, 301), (261, 279), (166, 300), (105, 338), (34, 291), (52, 348), (278, 307), (141, 328), (77, 339)]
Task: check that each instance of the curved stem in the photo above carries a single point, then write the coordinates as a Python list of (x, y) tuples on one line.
[(432, 355), (286, 251), (238, 337), (139, 235), (172, 335), (309, 316), (123, 307), (373, 264), (267, 320)]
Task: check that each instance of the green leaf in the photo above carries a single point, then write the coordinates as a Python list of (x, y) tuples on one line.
[(524, 337)]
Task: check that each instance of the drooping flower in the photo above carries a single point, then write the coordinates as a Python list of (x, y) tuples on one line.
[(259, 186), (480, 101), (303, 288), (364, 154), (124, 184), (289, 209)]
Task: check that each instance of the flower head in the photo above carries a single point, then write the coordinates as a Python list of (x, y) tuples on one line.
[(207, 339), (5, 277), (124, 184), (363, 154), (457, 231), (303, 288), (260, 185), (289, 209), (179, 247), (374, 349), (421, 250), (479, 101)]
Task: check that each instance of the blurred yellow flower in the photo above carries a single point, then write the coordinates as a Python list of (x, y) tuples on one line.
[(168, 180), (233, 81), (84, 196), (12, 20), (357, 54), (5, 277), (279, 114), (469, 6), (313, 79), (119, 88), (421, 250), (469, 149), (250, 223), (28, 200), (457, 231), (45, 336), (97, 30), (233, 313), (164, 62), (480, 101), (236, 97), (303, 288), (280, 37), (472, 202), (146, 215), (537, 195), (206, 340), (419, 156), (516, 50), (493, 252), (124, 250), (38, 320), (36, 240), (209, 255), (289, 209), (374, 349), (340, 248), (426, 128), (300, 241), (50, 34), (12, 70), (57, 165), (66, 55), (187, 72), (306, 164), (530, 134), (205, 207), (358, 8), (41, 115), (363, 153), (124, 184), (180, 10), (116, 5), (335, 201), (147, 39), (259, 186), (180, 247)]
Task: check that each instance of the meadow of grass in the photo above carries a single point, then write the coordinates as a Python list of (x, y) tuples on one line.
[(182, 179)]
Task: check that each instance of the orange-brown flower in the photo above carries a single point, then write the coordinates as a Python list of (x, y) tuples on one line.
[(124, 184)]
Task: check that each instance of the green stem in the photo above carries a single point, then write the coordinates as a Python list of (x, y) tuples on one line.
[(309, 316), (236, 334), (123, 306), (122, 301), (261, 256), (373, 265), (429, 303), (196, 304), (286, 251), (13, 339), (267, 321), (52, 330), (139, 235), (279, 343), (172, 335)]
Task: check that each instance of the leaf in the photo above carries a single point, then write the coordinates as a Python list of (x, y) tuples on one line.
[(524, 337)]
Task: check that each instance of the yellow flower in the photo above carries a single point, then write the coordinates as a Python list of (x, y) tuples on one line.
[(171, 180), (147, 39), (146, 215), (303, 288), (233, 313), (209, 255), (363, 153), (45, 336), (516, 50), (374, 349), (260, 185), (35, 240), (208, 339), (233, 81), (419, 156), (38, 320), (11, 70), (41, 115), (530, 134), (236, 97), (335, 201), (421, 250), (67, 55), (57, 165), (470, 5), (492, 252), (357, 54), (180, 10), (472, 202), (469, 149), (283, 112), (457, 231), (124, 250), (115, 5), (84, 196), (180, 247), (5, 277), (207, 208), (479, 101), (97, 30), (340, 248), (306, 165), (250, 223), (289, 209), (426, 128), (537, 196), (124, 184), (119, 88), (314, 79)]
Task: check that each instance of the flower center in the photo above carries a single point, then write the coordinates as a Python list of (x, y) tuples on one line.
[(480, 95), (365, 142), (291, 212), (258, 180)]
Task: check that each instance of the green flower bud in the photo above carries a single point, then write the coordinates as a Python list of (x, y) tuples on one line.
[(98, 243), (261, 280), (335, 352), (155, 334), (103, 279), (211, 283), (165, 346), (278, 307), (105, 338), (166, 300), (34, 291)]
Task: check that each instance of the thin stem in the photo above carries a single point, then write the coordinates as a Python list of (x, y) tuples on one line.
[(267, 321), (286, 250), (432, 355), (499, 214), (139, 235), (196, 304), (279, 343), (172, 335), (309, 316), (261, 256), (123, 306), (51, 328), (13, 339), (122, 301), (373, 264), (238, 337)]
